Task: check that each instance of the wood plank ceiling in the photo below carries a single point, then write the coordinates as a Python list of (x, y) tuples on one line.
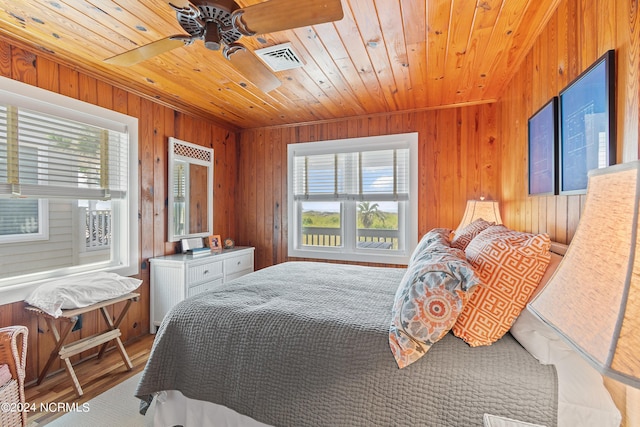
[(383, 56)]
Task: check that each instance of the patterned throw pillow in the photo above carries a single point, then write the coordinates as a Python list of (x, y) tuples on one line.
[(510, 265), (430, 297), (435, 235), (462, 238)]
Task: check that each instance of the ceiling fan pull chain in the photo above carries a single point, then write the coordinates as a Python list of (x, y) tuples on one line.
[(239, 24)]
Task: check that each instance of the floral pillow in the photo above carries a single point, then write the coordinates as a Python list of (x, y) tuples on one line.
[(462, 238), (431, 237), (430, 297), (510, 264)]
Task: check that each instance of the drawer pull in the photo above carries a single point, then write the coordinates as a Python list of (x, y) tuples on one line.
[(205, 272), (238, 263)]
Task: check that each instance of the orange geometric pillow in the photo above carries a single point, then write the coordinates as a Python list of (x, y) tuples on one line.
[(463, 237), (509, 265)]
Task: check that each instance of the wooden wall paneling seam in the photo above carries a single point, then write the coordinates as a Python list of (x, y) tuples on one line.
[(277, 161), (628, 66), (48, 74), (251, 181), (322, 70), (158, 168), (267, 217), (461, 23), (393, 40), (486, 16), (5, 59), (161, 170), (414, 17), (373, 60), (262, 216), (588, 32), (561, 48)]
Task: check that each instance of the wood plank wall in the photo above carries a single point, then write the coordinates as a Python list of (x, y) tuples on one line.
[(577, 34), (156, 124), (459, 160)]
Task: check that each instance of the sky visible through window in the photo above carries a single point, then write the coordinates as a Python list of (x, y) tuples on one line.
[(374, 180)]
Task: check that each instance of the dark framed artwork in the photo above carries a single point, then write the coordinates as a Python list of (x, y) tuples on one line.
[(587, 124), (543, 146)]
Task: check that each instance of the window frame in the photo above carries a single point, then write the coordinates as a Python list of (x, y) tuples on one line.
[(407, 227), (43, 227), (124, 258)]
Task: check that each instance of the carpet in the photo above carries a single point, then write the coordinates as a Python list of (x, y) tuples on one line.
[(115, 407)]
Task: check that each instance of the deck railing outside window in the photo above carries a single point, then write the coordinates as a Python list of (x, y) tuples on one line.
[(367, 237), (98, 229)]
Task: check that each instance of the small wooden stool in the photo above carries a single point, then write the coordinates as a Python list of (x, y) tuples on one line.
[(70, 318)]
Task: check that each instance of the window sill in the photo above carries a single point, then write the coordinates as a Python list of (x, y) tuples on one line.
[(10, 293), (379, 256)]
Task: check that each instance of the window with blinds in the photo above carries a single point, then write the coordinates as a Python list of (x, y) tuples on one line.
[(362, 175), (68, 186), (353, 199), (45, 156)]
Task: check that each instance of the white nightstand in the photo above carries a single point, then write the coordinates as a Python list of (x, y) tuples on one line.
[(179, 276)]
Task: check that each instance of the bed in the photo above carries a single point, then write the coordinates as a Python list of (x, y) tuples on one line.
[(308, 344)]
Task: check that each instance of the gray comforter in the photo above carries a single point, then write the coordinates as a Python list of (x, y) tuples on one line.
[(306, 344)]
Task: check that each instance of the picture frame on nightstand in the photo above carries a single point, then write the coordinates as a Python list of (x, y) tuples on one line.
[(215, 243)]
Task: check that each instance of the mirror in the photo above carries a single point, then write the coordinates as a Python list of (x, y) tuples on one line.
[(190, 202)]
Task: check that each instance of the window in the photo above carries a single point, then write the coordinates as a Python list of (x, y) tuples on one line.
[(22, 219), (354, 199), (68, 187)]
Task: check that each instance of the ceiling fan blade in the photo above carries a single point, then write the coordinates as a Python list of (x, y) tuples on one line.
[(277, 15), (147, 51), (252, 67)]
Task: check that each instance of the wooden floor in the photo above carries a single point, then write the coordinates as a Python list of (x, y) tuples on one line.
[(95, 376)]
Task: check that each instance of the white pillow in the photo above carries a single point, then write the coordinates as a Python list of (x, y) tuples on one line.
[(80, 291)]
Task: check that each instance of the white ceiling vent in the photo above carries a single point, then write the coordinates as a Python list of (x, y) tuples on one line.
[(280, 57)]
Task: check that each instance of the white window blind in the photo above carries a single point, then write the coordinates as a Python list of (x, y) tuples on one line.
[(363, 175), (46, 156)]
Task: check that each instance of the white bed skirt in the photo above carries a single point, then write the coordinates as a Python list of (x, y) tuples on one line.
[(582, 401), (173, 408)]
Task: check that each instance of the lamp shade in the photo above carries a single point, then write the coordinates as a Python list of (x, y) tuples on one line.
[(593, 299), (489, 210)]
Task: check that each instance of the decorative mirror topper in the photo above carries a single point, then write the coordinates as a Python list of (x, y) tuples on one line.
[(190, 202)]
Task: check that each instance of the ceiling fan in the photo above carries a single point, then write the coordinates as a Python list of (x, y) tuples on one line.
[(221, 23)]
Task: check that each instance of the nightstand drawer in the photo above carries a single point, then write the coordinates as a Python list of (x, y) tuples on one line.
[(237, 264), (203, 287), (203, 272)]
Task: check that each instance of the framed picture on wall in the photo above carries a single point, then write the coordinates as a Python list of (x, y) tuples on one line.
[(543, 146), (587, 124)]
